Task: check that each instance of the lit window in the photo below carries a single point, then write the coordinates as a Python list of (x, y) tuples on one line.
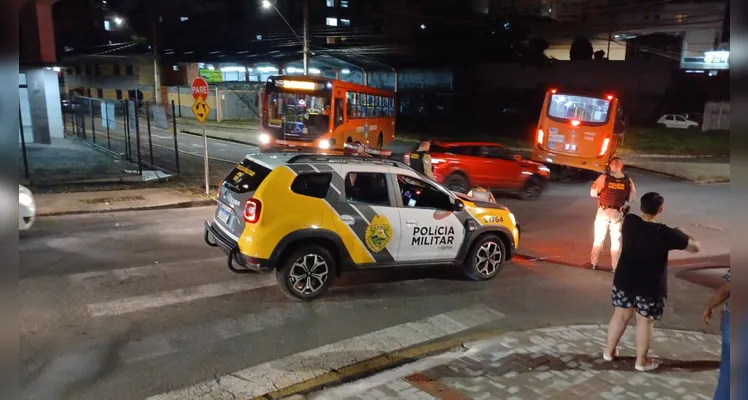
[(344, 3), (182, 19), (345, 22), (331, 3), (107, 25), (332, 22), (175, 68)]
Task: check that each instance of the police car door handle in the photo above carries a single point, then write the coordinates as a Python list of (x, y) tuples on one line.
[(347, 219), (411, 222)]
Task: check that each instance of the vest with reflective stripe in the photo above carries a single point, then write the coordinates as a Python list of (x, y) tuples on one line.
[(615, 192)]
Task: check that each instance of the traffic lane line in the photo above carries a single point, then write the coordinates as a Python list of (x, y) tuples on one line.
[(267, 378)]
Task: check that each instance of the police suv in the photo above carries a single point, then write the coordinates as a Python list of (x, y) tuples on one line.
[(309, 217)]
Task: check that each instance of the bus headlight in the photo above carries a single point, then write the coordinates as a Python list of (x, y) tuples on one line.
[(264, 138), (324, 144)]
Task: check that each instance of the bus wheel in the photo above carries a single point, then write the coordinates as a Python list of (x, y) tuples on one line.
[(380, 140)]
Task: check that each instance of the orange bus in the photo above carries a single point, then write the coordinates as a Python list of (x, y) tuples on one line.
[(302, 112), (578, 130)]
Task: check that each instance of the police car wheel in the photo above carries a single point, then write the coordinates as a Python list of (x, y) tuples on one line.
[(306, 274), (457, 183), (486, 258)]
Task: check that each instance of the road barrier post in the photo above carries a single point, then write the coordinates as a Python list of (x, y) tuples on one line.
[(174, 126)]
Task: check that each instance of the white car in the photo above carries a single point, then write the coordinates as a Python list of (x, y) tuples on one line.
[(26, 208), (677, 121)]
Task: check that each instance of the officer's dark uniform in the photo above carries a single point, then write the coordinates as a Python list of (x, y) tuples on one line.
[(612, 198), (416, 161)]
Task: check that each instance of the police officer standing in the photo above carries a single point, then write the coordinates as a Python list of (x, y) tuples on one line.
[(613, 190), (420, 160)]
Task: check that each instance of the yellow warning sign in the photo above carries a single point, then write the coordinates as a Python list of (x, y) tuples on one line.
[(201, 109)]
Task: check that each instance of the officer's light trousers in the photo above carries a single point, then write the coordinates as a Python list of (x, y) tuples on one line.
[(607, 220)]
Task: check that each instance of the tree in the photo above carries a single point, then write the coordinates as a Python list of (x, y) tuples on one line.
[(581, 49), (599, 55)]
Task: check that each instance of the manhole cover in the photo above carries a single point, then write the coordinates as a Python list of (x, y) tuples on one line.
[(113, 199)]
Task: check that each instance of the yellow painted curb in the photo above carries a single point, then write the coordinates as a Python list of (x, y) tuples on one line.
[(373, 365)]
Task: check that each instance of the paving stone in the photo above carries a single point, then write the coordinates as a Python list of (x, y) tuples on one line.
[(566, 363)]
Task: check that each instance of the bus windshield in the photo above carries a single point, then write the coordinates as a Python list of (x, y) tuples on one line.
[(299, 113), (580, 108)]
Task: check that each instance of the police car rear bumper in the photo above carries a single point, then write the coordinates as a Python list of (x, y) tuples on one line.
[(215, 238)]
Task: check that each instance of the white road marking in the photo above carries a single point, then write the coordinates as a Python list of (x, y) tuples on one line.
[(184, 295), (264, 378), (147, 270)]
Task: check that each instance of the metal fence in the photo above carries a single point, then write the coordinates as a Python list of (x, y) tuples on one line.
[(139, 132)]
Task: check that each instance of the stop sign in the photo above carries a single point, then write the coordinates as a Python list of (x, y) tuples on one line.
[(199, 88)]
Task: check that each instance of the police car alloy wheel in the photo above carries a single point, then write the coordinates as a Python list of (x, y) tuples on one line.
[(306, 274), (486, 258)]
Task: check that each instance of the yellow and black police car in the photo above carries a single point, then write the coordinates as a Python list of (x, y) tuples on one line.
[(310, 217)]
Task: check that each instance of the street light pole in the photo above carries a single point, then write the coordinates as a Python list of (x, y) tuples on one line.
[(306, 37)]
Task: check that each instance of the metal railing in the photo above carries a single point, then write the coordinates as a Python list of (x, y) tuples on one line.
[(139, 132)]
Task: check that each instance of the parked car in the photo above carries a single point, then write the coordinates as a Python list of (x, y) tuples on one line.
[(26, 208), (461, 166), (677, 121)]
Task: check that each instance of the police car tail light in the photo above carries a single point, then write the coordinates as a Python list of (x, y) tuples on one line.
[(252, 210), (604, 147), (540, 136)]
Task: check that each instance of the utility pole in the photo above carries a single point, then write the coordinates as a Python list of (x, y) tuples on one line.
[(306, 37), (156, 70)]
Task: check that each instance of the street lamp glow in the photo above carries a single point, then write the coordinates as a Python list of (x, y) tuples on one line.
[(423, 26), (266, 4), (118, 20)]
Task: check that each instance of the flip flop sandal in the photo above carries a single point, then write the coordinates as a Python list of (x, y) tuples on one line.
[(609, 357)]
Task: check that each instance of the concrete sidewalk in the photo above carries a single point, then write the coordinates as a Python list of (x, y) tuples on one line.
[(113, 200), (550, 363)]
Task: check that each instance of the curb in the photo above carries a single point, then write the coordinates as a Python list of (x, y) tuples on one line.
[(700, 182), (373, 366), (218, 138), (183, 204)]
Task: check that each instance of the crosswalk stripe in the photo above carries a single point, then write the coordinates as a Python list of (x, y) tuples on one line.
[(143, 271), (183, 295), (287, 371)]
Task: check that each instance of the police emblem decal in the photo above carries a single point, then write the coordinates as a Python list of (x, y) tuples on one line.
[(378, 234)]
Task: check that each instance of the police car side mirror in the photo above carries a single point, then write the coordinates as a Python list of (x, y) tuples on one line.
[(458, 205)]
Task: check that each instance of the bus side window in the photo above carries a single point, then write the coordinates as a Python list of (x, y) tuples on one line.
[(338, 112), (351, 105)]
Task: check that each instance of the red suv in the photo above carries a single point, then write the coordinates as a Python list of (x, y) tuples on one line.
[(461, 166)]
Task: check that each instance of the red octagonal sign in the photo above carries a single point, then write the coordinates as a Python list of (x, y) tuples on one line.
[(200, 88)]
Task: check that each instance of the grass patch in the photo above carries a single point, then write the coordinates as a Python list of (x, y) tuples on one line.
[(676, 141)]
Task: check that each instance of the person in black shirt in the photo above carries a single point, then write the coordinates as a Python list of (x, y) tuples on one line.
[(640, 280)]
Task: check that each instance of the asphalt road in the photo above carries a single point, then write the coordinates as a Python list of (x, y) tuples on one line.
[(134, 305)]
